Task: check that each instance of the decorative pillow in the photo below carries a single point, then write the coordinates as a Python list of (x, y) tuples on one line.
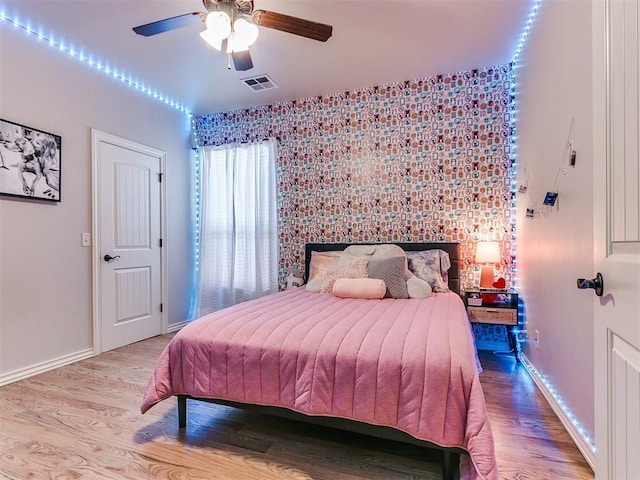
[(354, 269), (392, 271), (320, 265), (430, 265), (360, 251), (368, 288), (384, 250), (418, 288)]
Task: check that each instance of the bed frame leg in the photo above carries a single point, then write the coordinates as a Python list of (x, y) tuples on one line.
[(182, 411), (450, 465)]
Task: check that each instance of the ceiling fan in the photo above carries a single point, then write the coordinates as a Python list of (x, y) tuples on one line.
[(232, 24)]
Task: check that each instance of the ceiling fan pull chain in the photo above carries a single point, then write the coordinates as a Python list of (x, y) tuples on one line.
[(229, 61)]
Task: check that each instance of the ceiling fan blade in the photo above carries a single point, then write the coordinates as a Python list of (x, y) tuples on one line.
[(167, 24), (294, 25), (242, 60)]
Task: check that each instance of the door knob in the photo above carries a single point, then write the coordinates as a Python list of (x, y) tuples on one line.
[(596, 283), (109, 258)]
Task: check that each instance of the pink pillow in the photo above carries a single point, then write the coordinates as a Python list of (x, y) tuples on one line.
[(368, 288), (355, 269), (320, 265)]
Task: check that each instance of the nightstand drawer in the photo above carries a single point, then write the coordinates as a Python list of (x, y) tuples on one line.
[(503, 316)]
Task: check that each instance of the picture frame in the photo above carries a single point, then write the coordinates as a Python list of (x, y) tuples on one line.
[(30, 162), (550, 198)]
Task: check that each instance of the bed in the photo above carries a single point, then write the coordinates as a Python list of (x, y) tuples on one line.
[(403, 369)]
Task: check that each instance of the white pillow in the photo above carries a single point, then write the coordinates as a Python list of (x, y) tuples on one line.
[(418, 288)]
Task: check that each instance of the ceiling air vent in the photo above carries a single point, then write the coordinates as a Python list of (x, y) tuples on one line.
[(259, 83)]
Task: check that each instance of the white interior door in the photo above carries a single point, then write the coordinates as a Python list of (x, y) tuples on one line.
[(617, 238), (127, 251)]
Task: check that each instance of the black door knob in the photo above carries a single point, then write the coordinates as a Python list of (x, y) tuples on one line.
[(109, 258), (596, 283)]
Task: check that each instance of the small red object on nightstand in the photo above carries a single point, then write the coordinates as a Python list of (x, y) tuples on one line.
[(500, 283)]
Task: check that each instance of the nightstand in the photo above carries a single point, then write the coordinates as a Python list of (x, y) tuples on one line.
[(497, 308)]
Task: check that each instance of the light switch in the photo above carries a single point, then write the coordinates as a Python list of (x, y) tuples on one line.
[(86, 240)]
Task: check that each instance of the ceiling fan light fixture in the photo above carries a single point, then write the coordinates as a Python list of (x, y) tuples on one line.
[(212, 39), (243, 35), (246, 33), (239, 38), (219, 22), (218, 28), (235, 44)]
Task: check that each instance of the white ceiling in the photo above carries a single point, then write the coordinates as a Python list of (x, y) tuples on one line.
[(373, 42)]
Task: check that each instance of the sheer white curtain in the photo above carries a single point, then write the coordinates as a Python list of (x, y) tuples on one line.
[(238, 255)]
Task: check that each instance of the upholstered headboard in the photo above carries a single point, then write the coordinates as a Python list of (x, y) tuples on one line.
[(453, 249)]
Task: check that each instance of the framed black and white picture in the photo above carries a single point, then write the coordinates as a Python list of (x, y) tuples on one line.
[(30, 162)]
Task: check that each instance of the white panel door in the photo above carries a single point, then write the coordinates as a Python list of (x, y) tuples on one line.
[(129, 242), (617, 238)]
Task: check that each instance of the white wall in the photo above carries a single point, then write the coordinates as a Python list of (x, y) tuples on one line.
[(556, 247), (45, 274)]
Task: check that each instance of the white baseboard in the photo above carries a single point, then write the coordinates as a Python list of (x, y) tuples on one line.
[(582, 441), (27, 372), (174, 327)]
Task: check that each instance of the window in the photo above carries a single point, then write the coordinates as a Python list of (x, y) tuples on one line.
[(238, 239)]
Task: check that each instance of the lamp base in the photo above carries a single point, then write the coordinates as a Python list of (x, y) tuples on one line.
[(486, 277)]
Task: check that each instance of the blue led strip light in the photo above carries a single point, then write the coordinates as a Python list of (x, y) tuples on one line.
[(512, 175), (513, 111), (562, 404), (90, 61), (196, 190), (513, 114), (197, 180), (525, 31)]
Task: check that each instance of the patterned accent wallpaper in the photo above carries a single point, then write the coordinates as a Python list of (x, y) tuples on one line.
[(421, 160)]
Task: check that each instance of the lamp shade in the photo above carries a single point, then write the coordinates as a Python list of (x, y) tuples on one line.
[(219, 23), (487, 252), (212, 39), (218, 28), (246, 33)]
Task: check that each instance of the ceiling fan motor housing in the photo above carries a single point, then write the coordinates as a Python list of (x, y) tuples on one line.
[(244, 7)]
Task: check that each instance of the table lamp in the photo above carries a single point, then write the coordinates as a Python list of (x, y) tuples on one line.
[(487, 254)]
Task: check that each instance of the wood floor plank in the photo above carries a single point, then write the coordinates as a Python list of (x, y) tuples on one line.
[(83, 422)]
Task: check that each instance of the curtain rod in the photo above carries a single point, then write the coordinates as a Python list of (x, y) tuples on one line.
[(242, 143)]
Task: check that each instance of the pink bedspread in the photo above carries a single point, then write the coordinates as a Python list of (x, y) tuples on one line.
[(408, 364)]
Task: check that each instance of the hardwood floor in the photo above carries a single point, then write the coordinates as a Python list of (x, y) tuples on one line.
[(82, 422), (531, 443)]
